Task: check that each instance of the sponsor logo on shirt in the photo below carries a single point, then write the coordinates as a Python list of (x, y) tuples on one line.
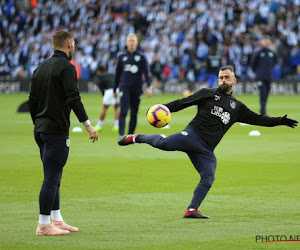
[(218, 111), (131, 68), (124, 58)]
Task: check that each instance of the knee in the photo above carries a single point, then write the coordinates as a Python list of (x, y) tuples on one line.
[(52, 179), (123, 113), (133, 114), (51, 182), (207, 180), (162, 143)]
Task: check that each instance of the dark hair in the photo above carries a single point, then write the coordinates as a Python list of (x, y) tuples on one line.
[(266, 36), (227, 67), (59, 39), (101, 68)]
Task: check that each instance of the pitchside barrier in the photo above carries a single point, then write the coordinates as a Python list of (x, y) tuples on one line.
[(174, 86)]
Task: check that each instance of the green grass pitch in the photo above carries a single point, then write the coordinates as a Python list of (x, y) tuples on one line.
[(134, 197)]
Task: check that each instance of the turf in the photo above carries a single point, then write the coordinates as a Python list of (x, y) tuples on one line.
[(134, 197)]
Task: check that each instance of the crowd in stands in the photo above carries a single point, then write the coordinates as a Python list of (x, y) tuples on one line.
[(180, 35)]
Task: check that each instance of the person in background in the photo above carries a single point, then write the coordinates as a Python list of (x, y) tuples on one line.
[(213, 63), (131, 67), (156, 69), (105, 82), (262, 63)]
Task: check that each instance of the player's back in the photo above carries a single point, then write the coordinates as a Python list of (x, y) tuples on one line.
[(50, 82)]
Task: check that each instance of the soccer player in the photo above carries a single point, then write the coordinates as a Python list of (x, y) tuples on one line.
[(262, 63), (218, 110), (53, 93), (105, 82), (131, 67)]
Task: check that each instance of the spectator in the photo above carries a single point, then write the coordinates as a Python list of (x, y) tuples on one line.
[(213, 63), (156, 69), (167, 28)]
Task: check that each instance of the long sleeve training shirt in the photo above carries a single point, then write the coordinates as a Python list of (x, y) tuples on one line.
[(53, 94), (263, 63), (217, 112), (131, 68)]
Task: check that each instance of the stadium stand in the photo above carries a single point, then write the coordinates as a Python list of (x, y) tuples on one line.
[(180, 32)]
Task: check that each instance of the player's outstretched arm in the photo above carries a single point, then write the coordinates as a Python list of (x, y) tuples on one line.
[(93, 132), (288, 122)]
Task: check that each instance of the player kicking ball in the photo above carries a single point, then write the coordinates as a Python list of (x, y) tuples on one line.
[(218, 110)]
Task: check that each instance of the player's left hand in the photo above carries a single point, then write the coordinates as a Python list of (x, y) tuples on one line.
[(148, 92), (288, 122), (93, 133)]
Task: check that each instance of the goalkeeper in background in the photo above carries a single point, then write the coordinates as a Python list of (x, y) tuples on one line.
[(218, 110)]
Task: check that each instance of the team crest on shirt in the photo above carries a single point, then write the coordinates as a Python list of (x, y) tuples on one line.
[(184, 133), (68, 143), (124, 58), (137, 58), (232, 104)]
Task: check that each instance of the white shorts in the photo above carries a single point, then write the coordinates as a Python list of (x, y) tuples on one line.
[(108, 98)]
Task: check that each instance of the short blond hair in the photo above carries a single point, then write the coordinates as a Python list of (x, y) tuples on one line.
[(132, 35), (60, 38)]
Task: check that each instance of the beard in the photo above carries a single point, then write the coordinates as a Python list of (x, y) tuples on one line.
[(70, 54), (225, 88)]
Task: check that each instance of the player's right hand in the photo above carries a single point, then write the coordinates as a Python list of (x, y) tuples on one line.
[(288, 122), (148, 91), (93, 133)]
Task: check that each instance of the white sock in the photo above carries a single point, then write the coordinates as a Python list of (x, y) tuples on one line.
[(100, 123), (116, 123), (44, 219), (56, 215)]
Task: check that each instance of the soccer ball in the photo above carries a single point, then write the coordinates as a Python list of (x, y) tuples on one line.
[(159, 116)]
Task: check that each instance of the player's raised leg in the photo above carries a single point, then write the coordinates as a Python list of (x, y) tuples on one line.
[(182, 141)]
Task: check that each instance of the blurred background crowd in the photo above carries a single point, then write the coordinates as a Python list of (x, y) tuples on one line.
[(180, 38)]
